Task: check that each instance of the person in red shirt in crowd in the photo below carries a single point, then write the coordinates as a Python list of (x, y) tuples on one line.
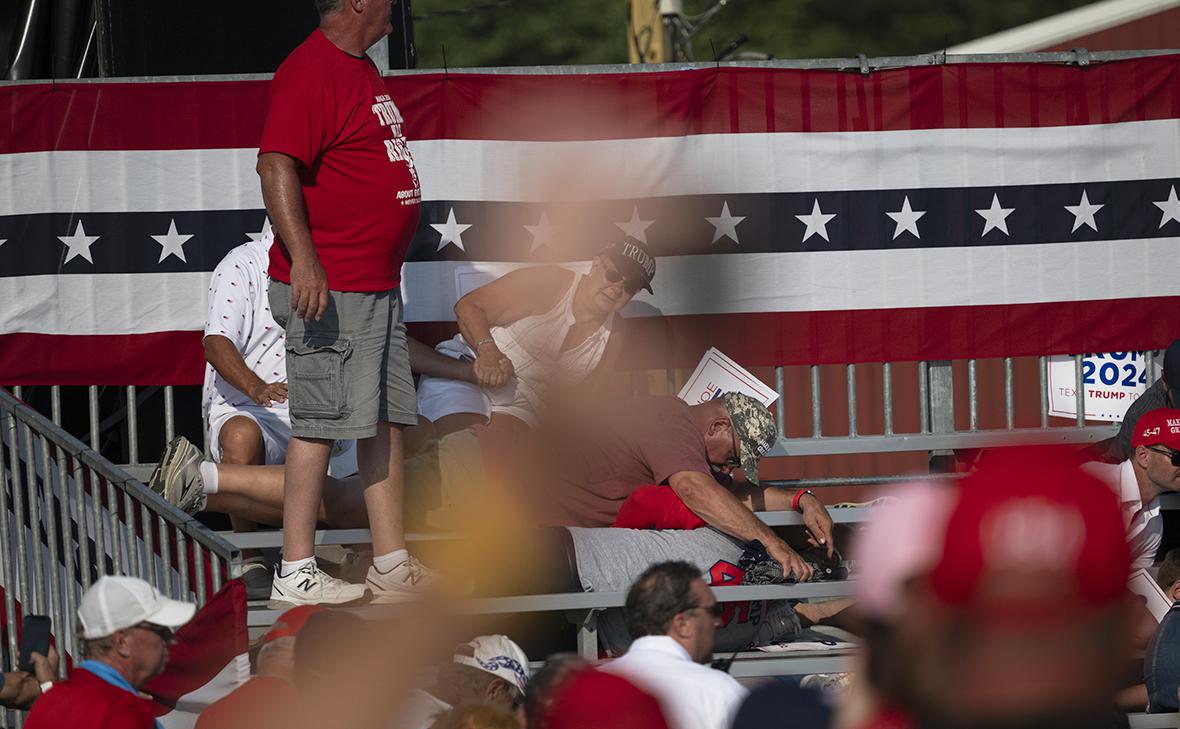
[(272, 688), (125, 626), (591, 699), (341, 189), (1008, 608)]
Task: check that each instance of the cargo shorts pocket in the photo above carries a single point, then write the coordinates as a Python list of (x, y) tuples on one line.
[(315, 368)]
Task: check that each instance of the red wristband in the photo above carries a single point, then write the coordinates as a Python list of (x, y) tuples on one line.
[(795, 501)]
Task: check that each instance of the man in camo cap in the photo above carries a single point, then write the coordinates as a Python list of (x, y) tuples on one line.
[(754, 428), (681, 454)]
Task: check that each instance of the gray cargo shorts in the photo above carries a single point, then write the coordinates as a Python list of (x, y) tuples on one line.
[(349, 370)]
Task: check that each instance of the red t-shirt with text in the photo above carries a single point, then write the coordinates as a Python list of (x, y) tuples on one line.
[(332, 112)]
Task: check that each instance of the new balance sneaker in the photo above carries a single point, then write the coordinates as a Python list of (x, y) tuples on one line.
[(408, 581), (178, 476), (309, 585)]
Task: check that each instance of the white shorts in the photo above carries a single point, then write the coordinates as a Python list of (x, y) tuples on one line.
[(274, 424), (439, 397), (276, 433)]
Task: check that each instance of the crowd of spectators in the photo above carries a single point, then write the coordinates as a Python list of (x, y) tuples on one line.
[(996, 603)]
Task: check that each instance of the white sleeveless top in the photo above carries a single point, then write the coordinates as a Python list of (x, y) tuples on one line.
[(534, 346)]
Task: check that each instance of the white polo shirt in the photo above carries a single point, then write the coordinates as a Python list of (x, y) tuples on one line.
[(238, 309), (691, 695), (1144, 523)]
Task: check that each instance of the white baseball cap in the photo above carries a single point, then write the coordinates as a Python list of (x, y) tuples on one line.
[(115, 603), (497, 655)]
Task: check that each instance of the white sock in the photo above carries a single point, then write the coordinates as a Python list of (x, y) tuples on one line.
[(209, 476), (286, 568), (386, 562)]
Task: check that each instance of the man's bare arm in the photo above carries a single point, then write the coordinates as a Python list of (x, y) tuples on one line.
[(770, 498), (283, 196), (701, 493), (227, 360)]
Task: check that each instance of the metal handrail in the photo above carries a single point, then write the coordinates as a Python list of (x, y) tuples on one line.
[(57, 492)]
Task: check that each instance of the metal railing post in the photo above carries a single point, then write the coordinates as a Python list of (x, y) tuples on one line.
[(941, 410)]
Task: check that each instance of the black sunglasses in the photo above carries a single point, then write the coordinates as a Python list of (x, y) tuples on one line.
[(630, 285), (1173, 455), (165, 634)]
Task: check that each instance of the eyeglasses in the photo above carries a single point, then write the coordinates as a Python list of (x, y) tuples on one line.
[(733, 461), (165, 634), (630, 285), (717, 609), (1174, 456)]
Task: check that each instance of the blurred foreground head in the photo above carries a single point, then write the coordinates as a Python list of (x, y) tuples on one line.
[(1015, 612), (591, 699)]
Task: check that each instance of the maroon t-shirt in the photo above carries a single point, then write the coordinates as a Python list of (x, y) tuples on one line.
[(597, 461), (86, 701), (332, 112)]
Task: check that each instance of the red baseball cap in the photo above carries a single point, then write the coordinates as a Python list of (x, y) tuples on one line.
[(1157, 427), (290, 623), (1032, 535)]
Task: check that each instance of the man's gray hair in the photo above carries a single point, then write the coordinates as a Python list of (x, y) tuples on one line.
[(94, 647), (327, 7)]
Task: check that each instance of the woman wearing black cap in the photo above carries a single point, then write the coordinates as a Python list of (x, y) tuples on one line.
[(534, 331)]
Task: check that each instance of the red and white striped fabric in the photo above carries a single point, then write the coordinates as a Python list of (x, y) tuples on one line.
[(208, 660), (797, 216)]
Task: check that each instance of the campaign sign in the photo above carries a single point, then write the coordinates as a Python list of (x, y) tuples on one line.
[(1112, 381), (717, 374), (1145, 587)]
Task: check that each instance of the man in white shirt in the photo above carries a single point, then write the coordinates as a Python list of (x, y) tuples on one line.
[(1152, 469), (245, 391), (672, 613)]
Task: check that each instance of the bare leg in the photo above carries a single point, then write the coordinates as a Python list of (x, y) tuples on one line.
[(257, 493), (382, 467), (305, 471), (241, 443)]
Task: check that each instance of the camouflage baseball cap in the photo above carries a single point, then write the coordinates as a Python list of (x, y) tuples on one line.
[(755, 429)]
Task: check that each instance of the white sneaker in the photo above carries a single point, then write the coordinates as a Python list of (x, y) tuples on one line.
[(408, 581), (309, 585)]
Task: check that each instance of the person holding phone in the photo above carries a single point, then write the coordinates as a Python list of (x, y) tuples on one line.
[(22, 688), (125, 626)]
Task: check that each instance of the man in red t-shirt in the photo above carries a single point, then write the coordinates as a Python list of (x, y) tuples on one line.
[(125, 626), (272, 690), (341, 189)]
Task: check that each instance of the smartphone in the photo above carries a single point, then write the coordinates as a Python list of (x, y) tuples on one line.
[(34, 638)]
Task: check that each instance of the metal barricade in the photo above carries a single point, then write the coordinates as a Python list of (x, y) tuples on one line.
[(141, 420), (67, 516), (868, 406)]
